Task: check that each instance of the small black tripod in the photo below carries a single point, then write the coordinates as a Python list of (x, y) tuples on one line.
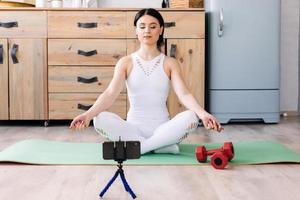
[(121, 172)]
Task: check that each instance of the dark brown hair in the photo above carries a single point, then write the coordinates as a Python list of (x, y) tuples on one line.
[(154, 13)]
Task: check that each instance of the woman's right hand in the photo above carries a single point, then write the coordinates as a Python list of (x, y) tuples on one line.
[(80, 122)]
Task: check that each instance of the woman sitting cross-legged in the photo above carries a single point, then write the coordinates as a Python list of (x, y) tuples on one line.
[(147, 74)]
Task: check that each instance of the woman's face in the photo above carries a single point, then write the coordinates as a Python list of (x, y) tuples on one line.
[(148, 30)]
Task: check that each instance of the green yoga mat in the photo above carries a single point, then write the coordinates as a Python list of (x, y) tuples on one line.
[(67, 153)]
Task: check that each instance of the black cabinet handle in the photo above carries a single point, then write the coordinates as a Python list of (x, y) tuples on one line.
[(173, 50), (87, 25), (8, 24), (83, 107), (87, 80), (14, 53), (170, 24), (87, 53), (1, 54)]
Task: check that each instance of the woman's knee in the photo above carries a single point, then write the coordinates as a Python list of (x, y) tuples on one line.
[(189, 116), (102, 122), (189, 120), (104, 118), (104, 115)]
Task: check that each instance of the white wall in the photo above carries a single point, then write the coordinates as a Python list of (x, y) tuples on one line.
[(289, 90), (116, 3), (130, 3)]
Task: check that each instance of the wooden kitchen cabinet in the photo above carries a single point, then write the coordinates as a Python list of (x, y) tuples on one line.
[(68, 105), (190, 56), (27, 79), (83, 49), (74, 89), (23, 79), (24, 65), (18, 23), (87, 24), (178, 23), (4, 114), (67, 58)]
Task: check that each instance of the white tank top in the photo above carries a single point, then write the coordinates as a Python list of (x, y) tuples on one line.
[(148, 88)]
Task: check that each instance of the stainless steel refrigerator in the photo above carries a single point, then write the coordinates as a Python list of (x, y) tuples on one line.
[(242, 59)]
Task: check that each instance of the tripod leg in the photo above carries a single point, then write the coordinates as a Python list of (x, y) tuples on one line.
[(109, 184), (127, 187)]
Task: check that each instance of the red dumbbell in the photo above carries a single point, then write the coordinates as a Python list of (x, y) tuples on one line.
[(219, 157)]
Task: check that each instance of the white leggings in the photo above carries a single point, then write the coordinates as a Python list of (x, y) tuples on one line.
[(111, 126)]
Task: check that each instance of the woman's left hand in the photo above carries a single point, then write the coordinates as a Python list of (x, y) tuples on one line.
[(210, 122)]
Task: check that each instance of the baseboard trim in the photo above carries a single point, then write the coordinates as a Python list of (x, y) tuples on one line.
[(289, 113)]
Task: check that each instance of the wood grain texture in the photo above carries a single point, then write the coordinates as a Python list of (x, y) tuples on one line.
[(64, 24), (4, 81), (65, 51), (186, 3), (65, 105), (65, 79), (31, 24), (190, 56), (187, 24), (28, 80)]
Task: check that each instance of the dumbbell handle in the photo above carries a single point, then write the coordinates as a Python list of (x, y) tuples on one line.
[(213, 151), (224, 150)]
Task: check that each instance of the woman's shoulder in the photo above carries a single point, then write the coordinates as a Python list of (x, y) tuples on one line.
[(170, 62), (125, 61), (169, 59)]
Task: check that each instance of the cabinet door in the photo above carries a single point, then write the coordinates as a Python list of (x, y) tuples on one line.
[(3, 80), (190, 56), (28, 79)]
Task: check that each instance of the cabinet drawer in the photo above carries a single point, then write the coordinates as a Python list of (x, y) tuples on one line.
[(23, 24), (68, 106), (85, 51), (74, 24), (179, 24), (79, 79)]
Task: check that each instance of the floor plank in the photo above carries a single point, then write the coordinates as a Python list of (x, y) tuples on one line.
[(270, 181)]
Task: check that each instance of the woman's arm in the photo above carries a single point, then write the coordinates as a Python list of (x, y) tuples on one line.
[(187, 99), (107, 98)]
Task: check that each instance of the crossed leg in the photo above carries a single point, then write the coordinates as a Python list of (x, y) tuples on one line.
[(111, 126), (171, 132)]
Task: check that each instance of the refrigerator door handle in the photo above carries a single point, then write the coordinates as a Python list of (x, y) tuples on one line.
[(221, 24)]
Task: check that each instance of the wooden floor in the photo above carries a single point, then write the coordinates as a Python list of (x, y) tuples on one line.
[(261, 182)]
